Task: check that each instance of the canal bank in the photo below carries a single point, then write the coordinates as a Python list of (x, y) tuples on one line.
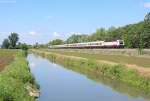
[(15, 78), (112, 71), (62, 83)]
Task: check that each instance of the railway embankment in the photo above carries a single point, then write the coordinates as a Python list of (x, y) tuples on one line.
[(116, 71), (15, 78), (129, 52)]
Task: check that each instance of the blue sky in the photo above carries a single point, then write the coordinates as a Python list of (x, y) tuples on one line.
[(44, 20)]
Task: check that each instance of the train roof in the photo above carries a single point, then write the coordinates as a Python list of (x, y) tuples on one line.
[(89, 42)]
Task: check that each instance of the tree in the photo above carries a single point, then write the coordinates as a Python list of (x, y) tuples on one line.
[(56, 42), (73, 39), (36, 45), (141, 46), (13, 39), (147, 17), (24, 47), (127, 40), (19, 45), (146, 32), (135, 35), (110, 33), (77, 38), (100, 34), (5, 44)]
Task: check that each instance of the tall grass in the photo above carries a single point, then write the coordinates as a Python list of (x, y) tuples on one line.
[(123, 59), (14, 79), (116, 72)]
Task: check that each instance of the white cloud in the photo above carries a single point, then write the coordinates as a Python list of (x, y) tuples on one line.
[(33, 33), (147, 5), (56, 34)]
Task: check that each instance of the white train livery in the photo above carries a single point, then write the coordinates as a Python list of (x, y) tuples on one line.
[(96, 44)]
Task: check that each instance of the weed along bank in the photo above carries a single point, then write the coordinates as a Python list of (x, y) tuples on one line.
[(16, 77)]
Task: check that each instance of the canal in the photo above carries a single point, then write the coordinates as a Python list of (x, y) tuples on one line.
[(58, 83)]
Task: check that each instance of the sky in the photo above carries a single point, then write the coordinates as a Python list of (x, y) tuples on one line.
[(44, 20)]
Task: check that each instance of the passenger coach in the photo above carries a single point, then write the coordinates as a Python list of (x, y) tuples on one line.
[(96, 44)]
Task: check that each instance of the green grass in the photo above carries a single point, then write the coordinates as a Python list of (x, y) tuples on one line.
[(14, 78), (114, 72), (121, 59)]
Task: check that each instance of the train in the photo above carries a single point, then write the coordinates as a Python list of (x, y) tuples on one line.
[(95, 44)]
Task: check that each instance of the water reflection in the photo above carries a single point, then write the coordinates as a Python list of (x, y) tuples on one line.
[(60, 84)]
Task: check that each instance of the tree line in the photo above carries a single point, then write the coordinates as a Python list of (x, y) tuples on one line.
[(12, 42), (135, 35)]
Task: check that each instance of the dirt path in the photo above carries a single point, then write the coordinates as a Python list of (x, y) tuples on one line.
[(4, 61)]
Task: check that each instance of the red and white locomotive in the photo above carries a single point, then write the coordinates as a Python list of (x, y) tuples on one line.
[(96, 44)]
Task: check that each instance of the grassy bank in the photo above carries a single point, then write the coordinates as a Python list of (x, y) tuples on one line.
[(112, 71), (14, 78), (116, 58), (125, 52)]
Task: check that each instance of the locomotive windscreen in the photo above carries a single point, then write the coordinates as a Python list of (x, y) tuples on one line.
[(121, 42)]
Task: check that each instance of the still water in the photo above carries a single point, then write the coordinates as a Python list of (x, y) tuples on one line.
[(60, 84)]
